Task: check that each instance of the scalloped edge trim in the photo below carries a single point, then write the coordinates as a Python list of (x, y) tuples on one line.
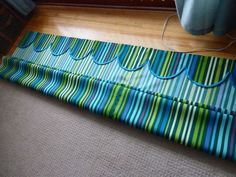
[(90, 53)]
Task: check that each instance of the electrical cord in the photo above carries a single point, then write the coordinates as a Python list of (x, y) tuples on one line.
[(231, 37), (198, 49)]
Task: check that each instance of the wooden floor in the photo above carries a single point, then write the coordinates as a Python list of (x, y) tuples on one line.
[(122, 26)]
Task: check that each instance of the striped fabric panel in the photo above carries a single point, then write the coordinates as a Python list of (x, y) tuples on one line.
[(187, 98), (194, 125), (209, 70), (105, 52), (167, 64)]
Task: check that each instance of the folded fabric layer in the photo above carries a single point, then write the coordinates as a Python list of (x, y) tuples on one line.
[(199, 79), (184, 97)]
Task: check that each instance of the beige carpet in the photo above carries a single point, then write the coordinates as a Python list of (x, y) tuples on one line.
[(41, 136)]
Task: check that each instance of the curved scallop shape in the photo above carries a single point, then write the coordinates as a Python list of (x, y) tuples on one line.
[(80, 48), (27, 40), (133, 58), (43, 41), (201, 70), (168, 64), (105, 52), (212, 85), (209, 71), (60, 45)]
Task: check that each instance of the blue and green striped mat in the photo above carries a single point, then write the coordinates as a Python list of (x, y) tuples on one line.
[(187, 98)]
